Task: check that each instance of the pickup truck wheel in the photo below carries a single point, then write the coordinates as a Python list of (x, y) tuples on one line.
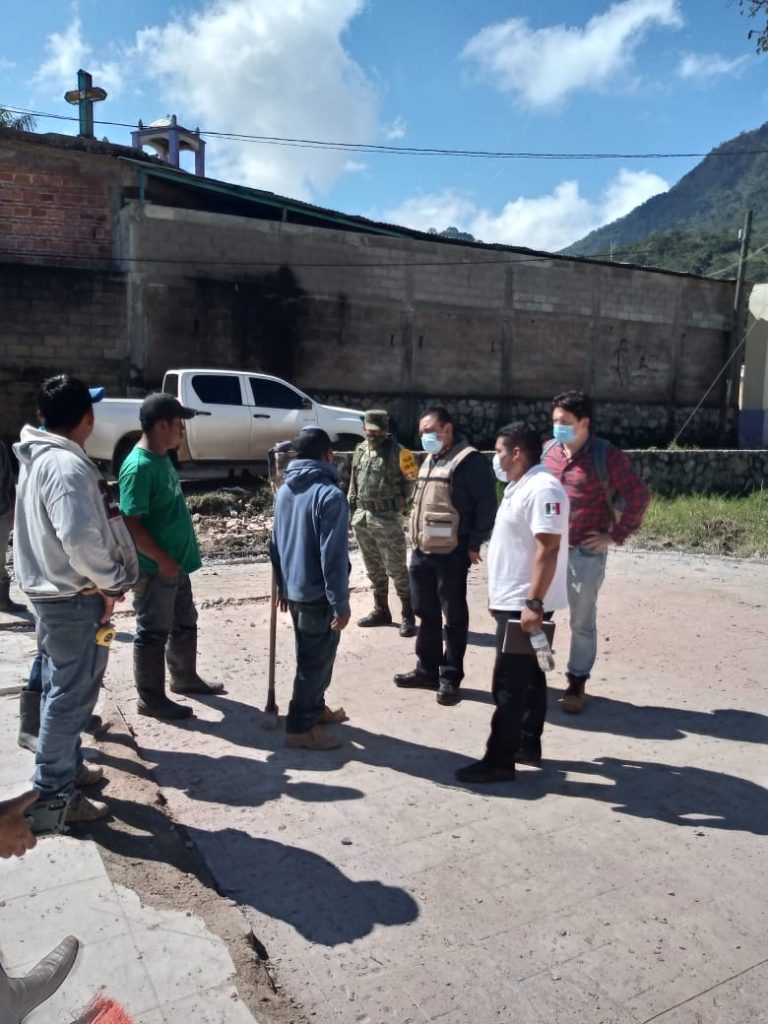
[(346, 443), (124, 447)]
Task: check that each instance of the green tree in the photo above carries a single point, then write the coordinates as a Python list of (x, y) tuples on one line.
[(22, 122), (755, 9)]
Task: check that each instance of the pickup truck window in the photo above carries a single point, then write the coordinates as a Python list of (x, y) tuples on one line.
[(217, 389), (270, 394)]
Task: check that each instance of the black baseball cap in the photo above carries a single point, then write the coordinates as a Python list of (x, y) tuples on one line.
[(163, 407)]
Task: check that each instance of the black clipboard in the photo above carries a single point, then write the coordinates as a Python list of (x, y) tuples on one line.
[(518, 642)]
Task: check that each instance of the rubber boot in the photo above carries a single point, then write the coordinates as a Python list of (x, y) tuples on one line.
[(6, 604), (20, 996), (408, 623), (149, 675), (29, 719), (181, 656)]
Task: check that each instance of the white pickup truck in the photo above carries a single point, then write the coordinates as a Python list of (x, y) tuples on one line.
[(249, 413)]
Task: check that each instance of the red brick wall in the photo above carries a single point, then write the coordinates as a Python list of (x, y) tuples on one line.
[(45, 214)]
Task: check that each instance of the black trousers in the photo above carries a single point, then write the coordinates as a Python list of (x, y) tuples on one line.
[(520, 695), (439, 591)]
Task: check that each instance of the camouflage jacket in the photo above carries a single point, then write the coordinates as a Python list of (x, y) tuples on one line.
[(382, 478)]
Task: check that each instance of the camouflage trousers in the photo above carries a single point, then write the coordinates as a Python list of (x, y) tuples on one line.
[(381, 540)]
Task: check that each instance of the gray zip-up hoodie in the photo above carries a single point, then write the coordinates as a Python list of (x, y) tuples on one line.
[(68, 536)]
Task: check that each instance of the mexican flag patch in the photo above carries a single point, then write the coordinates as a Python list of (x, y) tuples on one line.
[(552, 508)]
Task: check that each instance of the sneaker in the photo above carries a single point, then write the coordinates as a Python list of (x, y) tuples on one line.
[(448, 694), (313, 739), (408, 626), (165, 710), (82, 809), (378, 617), (574, 698), (89, 774), (416, 679), (484, 771), (329, 716)]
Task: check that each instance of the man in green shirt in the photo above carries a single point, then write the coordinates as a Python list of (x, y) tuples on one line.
[(157, 516)]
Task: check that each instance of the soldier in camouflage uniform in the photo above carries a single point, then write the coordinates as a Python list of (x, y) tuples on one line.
[(380, 485)]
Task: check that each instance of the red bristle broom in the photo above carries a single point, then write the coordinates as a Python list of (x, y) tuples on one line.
[(103, 1010)]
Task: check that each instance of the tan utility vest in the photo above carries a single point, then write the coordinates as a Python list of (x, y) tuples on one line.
[(434, 521)]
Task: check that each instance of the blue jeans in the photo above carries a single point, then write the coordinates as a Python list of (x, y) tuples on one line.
[(73, 668), (35, 680), (316, 645), (586, 572)]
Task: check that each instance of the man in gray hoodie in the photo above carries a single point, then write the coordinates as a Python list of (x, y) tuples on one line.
[(74, 558), (310, 556)]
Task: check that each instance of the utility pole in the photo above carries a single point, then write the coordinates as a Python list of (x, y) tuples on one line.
[(730, 399)]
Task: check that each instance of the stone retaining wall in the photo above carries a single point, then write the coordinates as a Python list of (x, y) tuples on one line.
[(627, 425), (668, 473)]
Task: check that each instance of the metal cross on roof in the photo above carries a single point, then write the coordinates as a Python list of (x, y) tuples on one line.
[(84, 96)]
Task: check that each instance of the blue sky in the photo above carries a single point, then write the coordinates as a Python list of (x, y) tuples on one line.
[(633, 76)]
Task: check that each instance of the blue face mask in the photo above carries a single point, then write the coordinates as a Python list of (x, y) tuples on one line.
[(431, 443), (500, 474), (564, 433)]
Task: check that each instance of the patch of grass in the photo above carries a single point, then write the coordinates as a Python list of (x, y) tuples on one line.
[(708, 524)]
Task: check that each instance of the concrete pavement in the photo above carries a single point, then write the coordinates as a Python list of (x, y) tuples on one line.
[(624, 881)]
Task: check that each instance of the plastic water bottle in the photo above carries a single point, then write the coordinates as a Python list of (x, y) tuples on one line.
[(540, 644)]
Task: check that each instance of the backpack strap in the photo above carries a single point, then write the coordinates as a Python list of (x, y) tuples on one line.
[(600, 459)]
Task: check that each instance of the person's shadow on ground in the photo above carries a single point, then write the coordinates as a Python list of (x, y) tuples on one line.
[(685, 796), (308, 892), (647, 721), (678, 795)]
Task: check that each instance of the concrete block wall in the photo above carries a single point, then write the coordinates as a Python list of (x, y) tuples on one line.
[(57, 320)]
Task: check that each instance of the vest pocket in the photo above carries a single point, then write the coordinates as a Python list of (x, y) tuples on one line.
[(440, 532)]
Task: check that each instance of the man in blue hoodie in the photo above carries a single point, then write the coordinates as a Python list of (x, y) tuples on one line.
[(310, 556)]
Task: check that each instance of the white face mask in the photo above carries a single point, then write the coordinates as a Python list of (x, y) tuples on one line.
[(496, 464)]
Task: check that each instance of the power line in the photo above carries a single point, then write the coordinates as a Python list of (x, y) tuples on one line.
[(374, 148)]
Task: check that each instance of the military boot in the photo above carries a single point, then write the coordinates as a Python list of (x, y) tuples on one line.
[(408, 622), (8, 605), (381, 615), (29, 719)]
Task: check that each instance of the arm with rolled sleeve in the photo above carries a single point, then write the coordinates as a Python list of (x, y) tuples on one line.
[(635, 492), (333, 516)]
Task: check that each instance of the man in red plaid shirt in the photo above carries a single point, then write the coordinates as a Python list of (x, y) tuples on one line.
[(603, 512)]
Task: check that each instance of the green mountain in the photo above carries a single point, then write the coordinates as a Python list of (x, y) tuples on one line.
[(694, 227)]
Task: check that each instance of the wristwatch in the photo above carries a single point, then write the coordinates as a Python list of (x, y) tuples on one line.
[(534, 604)]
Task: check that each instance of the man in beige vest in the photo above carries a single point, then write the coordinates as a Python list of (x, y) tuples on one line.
[(454, 506)]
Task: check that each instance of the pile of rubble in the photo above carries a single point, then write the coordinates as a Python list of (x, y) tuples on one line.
[(232, 522)]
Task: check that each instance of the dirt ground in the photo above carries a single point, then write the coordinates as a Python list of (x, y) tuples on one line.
[(146, 851)]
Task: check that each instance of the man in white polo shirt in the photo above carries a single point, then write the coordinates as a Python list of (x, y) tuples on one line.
[(527, 580)]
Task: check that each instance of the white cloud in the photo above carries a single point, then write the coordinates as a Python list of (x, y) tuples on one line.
[(549, 222), (397, 129), (709, 65), (544, 65), (263, 68), (6, 65), (67, 52)]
